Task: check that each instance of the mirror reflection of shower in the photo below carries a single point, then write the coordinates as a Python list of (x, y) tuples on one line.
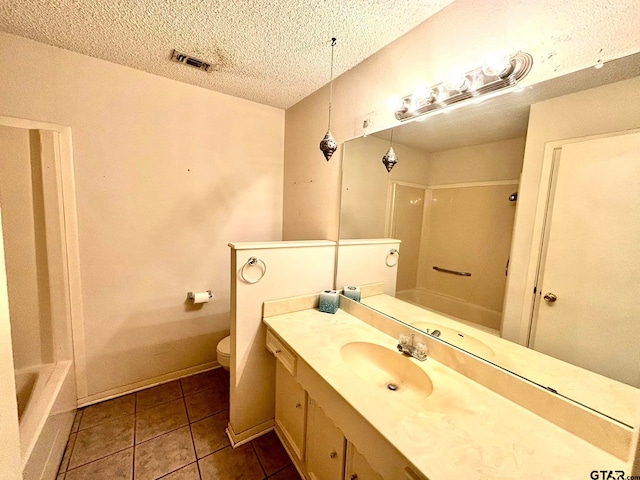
[(452, 209), (464, 243)]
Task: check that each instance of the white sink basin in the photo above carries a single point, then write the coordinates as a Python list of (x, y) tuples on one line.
[(457, 338), (388, 370)]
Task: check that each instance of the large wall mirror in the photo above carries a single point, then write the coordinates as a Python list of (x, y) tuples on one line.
[(452, 199)]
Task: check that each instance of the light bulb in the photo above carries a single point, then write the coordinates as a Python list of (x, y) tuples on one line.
[(395, 103), (421, 95), (496, 63), (456, 80)]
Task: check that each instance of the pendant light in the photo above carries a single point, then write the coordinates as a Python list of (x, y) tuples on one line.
[(390, 158), (328, 144)]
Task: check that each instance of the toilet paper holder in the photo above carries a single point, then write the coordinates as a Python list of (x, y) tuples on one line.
[(191, 296)]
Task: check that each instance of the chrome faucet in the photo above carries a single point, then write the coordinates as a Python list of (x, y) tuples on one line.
[(407, 347)]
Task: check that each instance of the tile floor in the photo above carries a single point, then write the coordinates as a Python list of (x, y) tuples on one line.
[(174, 431)]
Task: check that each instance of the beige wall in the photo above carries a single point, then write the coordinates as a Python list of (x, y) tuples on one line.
[(366, 181), (21, 200), (606, 109), (562, 37), (166, 175)]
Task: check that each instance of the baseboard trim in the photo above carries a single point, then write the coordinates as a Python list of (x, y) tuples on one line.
[(141, 385), (241, 438)]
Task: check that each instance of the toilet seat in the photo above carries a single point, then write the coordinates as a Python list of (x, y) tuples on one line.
[(224, 347), (223, 351)]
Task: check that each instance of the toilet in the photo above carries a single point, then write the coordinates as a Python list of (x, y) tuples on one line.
[(223, 352)]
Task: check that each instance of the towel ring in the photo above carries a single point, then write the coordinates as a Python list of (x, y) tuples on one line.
[(252, 262), (393, 254)]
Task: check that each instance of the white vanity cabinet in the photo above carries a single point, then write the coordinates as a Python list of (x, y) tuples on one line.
[(357, 468), (325, 446), (291, 410), (315, 441)]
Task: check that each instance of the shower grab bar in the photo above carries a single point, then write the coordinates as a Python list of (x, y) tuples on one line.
[(454, 272)]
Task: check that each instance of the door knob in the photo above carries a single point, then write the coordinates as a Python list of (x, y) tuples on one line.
[(333, 454), (550, 297)]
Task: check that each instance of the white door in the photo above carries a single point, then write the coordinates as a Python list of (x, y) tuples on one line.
[(587, 309)]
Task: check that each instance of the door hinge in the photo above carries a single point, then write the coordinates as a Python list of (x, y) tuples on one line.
[(535, 289)]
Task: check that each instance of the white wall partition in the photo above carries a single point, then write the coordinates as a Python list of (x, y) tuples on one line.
[(290, 269), (368, 261)]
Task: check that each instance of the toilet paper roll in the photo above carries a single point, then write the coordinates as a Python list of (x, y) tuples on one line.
[(329, 301), (352, 292), (201, 297)]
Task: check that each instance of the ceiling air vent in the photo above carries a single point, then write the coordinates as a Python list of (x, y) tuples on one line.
[(177, 56)]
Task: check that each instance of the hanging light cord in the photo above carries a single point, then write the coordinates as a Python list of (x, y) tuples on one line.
[(391, 141), (333, 44)]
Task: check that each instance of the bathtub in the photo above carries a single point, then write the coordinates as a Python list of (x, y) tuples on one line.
[(46, 399), (456, 309)]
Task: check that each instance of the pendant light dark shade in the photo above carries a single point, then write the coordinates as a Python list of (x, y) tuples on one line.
[(390, 158), (328, 145)]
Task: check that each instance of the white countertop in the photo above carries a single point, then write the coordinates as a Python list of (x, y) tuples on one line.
[(613, 398), (462, 430)]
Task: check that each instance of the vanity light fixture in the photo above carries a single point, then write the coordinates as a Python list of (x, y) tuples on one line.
[(328, 144), (456, 80), (499, 70), (421, 94), (497, 64), (390, 158)]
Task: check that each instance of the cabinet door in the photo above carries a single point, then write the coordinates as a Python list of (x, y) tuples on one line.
[(291, 409), (357, 467), (325, 446)]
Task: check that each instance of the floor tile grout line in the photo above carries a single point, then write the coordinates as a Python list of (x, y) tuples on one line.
[(135, 432), (108, 419), (209, 387), (208, 416), (162, 402), (283, 468), (255, 452), (103, 456), (178, 469), (96, 459), (79, 413), (195, 450), (70, 453), (161, 434)]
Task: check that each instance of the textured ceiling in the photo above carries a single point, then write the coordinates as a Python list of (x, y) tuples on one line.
[(272, 52)]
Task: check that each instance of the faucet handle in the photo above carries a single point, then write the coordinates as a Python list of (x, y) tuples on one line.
[(403, 339), (421, 349)]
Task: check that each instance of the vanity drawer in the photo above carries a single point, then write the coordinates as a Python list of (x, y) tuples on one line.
[(282, 352)]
